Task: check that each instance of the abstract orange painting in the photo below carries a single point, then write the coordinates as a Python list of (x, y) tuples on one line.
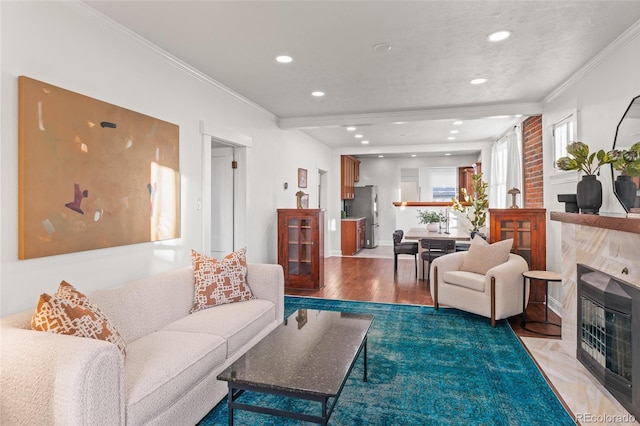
[(92, 174)]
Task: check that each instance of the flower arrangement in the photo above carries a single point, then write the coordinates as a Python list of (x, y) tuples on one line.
[(475, 208), (579, 158), (627, 161), (430, 216)]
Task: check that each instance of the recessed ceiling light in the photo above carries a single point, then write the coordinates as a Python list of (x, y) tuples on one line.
[(447, 153), (478, 81), (453, 132), (364, 142), (451, 138), (399, 122), (380, 156), (382, 48), (500, 116), (317, 93), (358, 136), (457, 123), (413, 155), (499, 35), (351, 128), (284, 59)]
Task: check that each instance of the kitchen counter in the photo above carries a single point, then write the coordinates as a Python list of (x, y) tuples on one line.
[(353, 218)]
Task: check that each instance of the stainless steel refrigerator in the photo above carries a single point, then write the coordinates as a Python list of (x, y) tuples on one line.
[(365, 204)]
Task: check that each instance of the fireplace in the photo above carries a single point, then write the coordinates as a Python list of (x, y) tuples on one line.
[(608, 318)]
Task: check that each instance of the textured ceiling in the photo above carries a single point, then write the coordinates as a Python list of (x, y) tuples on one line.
[(437, 48)]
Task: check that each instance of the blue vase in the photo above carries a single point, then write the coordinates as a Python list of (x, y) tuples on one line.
[(589, 194)]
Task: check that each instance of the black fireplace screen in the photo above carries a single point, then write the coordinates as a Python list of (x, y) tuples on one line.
[(608, 318), (606, 337)]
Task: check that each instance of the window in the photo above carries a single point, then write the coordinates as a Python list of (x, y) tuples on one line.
[(564, 132)]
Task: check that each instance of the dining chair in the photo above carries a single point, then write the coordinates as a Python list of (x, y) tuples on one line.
[(400, 247), (433, 248)]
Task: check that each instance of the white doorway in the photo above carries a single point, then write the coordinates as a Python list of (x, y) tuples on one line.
[(224, 190), (222, 200)]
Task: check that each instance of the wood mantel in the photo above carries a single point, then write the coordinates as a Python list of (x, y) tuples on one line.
[(617, 223)]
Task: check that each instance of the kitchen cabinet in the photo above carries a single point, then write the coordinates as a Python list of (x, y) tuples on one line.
[(301, 247), (349, 175), (528, 228), (352, 235)]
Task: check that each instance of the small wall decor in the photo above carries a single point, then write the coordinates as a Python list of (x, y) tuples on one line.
[(91, 174), (302, 178)]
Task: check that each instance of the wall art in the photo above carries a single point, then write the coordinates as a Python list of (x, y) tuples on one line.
[(91, 174)]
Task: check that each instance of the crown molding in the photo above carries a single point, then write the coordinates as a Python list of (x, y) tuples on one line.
[(122, 31), (461, 113), (622, 40)]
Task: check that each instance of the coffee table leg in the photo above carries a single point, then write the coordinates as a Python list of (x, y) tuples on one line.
[(365, 359), (229, 403)]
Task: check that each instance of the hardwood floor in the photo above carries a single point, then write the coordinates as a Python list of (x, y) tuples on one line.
[(373, 280)]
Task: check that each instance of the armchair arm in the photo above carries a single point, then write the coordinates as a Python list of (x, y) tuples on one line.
[(449, 262), (508, 275), (507, 291), (50, 378), (267, 282)]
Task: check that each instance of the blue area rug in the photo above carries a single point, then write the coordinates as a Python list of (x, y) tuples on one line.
[(426, 367)]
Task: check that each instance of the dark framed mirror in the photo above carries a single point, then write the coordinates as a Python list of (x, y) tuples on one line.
[(626, 169)]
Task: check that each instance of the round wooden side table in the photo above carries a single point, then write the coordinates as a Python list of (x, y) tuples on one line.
[(546, 276)]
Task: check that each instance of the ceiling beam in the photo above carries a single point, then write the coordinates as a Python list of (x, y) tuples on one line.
[(460, 113)]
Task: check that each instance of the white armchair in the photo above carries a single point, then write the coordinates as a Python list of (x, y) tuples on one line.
[(496, 295)]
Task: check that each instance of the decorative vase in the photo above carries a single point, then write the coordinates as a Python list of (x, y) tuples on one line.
[(589, 194), (432, 227), (626, 191)]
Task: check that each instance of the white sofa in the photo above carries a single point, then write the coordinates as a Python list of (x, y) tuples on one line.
[(169, 374)]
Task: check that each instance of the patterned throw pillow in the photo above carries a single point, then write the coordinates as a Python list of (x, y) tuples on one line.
[(481, 256), (71, 312), (219, 281)]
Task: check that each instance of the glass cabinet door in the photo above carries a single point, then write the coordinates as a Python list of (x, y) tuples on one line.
[(520, 231), (300, 246)]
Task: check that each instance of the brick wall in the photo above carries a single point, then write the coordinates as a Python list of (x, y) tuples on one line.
[(533, 194)]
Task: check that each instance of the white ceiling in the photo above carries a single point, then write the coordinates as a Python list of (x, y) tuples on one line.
[(437, 47)]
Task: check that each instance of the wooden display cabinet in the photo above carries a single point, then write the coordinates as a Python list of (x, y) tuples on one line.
[(301, 247), (528, 228)]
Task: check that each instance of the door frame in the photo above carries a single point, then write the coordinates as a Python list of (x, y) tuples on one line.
[(240, 143)]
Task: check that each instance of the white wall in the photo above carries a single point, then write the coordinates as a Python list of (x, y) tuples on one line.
[(601, 96), (385, 172), (70, 47)]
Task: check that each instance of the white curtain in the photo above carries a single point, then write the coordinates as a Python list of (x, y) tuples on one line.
[(506, 169)]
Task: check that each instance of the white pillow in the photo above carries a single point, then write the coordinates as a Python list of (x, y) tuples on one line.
[(482, 256)]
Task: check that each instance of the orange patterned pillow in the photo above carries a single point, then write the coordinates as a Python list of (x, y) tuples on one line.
[(219, 281), (71, 312)]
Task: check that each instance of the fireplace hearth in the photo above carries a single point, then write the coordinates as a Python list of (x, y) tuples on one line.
[(608, 318)]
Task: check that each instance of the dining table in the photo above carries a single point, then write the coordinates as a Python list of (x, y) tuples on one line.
[(418, 234)]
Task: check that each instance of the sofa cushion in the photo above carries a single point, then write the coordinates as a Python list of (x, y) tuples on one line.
[(236, 322), (146, 305), (481, 256), (219, 282), (469, 280), (160, 367), (70, 312)]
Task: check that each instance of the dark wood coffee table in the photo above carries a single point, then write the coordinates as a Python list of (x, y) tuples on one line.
[(309, 357)]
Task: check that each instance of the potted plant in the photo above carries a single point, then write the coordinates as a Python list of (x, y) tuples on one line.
[(589, 189), (474, 209), (430, 218), (627, 162)]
